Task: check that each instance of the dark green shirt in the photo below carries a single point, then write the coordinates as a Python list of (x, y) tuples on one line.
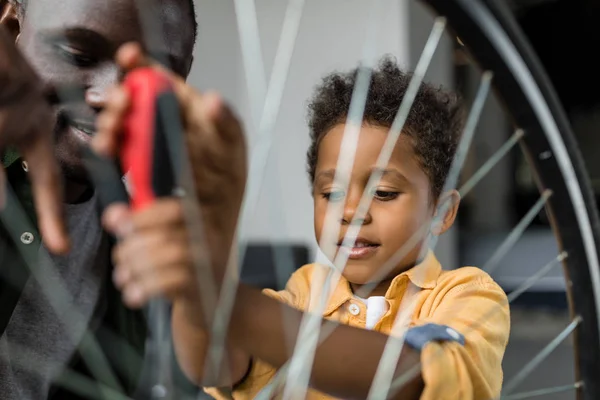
[(119, 331)]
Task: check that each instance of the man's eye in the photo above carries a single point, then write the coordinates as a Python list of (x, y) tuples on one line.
[(333, 195), (75, 56)]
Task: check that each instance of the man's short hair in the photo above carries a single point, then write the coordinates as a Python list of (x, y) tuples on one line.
[(22, 4)]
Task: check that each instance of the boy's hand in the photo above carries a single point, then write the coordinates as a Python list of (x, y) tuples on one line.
[(153, 257), (216, 149)]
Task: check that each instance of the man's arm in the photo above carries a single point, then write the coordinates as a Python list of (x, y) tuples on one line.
[(26, 123)]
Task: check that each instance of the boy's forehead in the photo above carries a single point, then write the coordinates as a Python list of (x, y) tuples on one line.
[(372, 140)]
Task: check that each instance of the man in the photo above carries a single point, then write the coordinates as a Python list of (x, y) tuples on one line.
[(70, 44)]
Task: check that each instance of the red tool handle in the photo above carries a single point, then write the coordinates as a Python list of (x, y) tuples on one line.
[(144, 154)]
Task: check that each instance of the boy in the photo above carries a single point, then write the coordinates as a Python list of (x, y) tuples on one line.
[(460, 324)]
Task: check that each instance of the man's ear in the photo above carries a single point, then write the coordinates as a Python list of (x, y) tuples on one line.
[(445, 212), (9, 18)]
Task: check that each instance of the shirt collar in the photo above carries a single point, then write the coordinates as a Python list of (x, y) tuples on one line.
[(9, 157), (423, 275)]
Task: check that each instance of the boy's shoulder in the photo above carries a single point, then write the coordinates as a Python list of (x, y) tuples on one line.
[(466, 276)]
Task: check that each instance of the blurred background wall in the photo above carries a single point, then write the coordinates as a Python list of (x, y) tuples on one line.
[(331, 37)]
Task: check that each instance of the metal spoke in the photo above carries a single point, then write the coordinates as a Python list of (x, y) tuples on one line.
[(404, 378), (491, 163), (252, 55), (313, 327), (536, 277), (393, 348), (59, 298), (74, 381), (516, 233), (544, 115), (157, 371), (544, 392), (298, 365), (411, 243), (310, 327), (469, 131), (258, 166), (542, 355)]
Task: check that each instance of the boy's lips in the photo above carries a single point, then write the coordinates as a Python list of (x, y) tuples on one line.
[(362, 248)]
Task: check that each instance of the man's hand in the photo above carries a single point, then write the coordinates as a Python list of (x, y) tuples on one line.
[(27, 123)]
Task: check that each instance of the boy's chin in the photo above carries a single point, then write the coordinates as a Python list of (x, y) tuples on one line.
[(359, 275)]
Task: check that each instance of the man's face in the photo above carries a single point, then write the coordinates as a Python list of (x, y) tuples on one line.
[(72, 44)]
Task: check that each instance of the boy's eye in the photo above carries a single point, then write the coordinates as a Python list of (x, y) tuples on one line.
[(74, 56), (384, 195), (333, 195)]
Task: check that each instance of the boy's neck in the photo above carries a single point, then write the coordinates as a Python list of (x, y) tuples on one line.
[(380, 290)]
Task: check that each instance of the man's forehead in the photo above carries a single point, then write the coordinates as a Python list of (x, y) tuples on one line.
[(97, 14), (117, 20)]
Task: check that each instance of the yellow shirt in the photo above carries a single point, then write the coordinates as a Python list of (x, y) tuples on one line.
[(466, 299)]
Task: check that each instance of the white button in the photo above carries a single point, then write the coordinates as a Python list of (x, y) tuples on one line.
[(27, 237), (354, 309), (453, 333), (25, 166)]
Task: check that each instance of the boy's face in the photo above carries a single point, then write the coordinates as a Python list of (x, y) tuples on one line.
[(402, 203), (72, 43)]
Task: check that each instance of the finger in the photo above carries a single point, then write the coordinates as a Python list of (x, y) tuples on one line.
[(130, 56), (142, 253), (168, 283), (110, 123), (161, 214), (214, 116), (47, 187), (220, 114), (117, 219)]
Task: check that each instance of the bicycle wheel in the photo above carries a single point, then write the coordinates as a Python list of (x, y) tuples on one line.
[(495, 42)]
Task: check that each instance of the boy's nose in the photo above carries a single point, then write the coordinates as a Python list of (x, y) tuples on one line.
[(351, 215)]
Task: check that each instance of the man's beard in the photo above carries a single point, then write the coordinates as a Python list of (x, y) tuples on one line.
[(71, 167)]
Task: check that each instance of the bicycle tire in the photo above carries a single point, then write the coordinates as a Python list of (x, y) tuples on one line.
[(495, 41)]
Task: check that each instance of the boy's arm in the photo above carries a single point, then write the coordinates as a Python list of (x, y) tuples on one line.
[(191, 343), (345, 363)]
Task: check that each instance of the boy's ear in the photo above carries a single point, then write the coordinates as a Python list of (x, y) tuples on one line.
[(445, 212), (9, 18)]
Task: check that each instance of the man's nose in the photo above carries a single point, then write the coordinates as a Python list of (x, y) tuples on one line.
[(96, 93)]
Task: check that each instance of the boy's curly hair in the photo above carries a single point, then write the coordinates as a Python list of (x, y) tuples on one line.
[(434, 123)]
